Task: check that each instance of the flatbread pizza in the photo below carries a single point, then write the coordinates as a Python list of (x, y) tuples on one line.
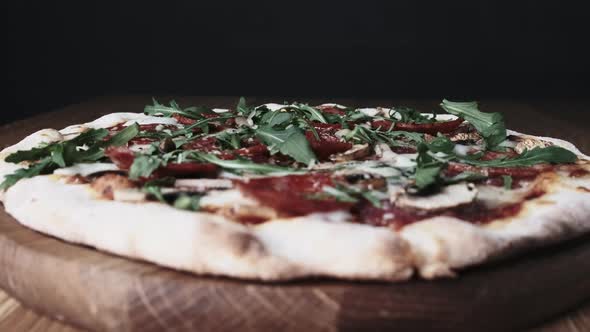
[(284, 191)]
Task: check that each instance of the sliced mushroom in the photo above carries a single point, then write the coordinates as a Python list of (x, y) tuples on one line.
[(529, 143), (450, 196), (356, 152), (466, 137)]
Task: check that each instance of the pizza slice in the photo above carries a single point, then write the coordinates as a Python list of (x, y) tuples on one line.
[(284, 191)]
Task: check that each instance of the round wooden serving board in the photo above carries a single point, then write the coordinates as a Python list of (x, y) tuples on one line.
[(98, 291)]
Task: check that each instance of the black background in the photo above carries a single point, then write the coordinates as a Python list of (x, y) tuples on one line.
[(61, 52)]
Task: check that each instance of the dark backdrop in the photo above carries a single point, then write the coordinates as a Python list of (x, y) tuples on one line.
[(66, 51)]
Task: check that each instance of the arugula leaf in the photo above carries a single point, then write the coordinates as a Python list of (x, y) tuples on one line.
[(156, 192), (339, 195), (278, 118), (441, 144), (241, 165), (57, 155), (86, 147), (407, 114), (88, 137), (123, 136), (427, 175), (32, 154), (538, 155), (174, 108), (187, 202), (490, 125), (427, 169), (229, 139), (199, 124), (143, 166), (348, 194), (367, 135), (507, 181), (311, 113), (290, 141), (242, 108), (44, 166)]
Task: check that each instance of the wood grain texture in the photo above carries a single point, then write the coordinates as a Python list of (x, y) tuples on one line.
[(98, 291)]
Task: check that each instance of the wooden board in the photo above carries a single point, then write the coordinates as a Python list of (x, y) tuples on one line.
[(98, 291)]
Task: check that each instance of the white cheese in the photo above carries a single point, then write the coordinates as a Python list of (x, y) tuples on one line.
[(152, 120), (34, 140), (449, 196), (86, 169), (226, 198), (333, 105), (369, 111), (401, 160), (139, 147), (461, 149), (128, 195), (220, 110), (274, 107), (370, 167), (492, 196), (204, 184)]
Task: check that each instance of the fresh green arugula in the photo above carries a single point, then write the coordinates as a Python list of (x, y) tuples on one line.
[(490, 125), (290, 141), (441, 144), (144, 165), (193, 112), (243, 109), (507, 181), (86, 147), (410, 115), (538, 155), (428, 169), (242, 165), (232, 138), (43, 166), (364, 134), (311, 113), (349, 194), (187, 201)]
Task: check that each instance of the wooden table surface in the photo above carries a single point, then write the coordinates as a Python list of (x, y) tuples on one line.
[(562, 118)]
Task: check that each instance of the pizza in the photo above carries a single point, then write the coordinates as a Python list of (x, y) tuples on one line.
[(284, 191)]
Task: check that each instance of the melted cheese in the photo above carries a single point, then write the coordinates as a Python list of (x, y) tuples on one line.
[(274, 107), (333, 105), (220, 110), (492, 196), (449, 196), (86, 169), (204, 184), (152, 120), (226, 198)]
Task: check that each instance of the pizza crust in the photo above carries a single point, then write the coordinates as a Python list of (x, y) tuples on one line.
[(316, 245), (444, 244), (323, 245)]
